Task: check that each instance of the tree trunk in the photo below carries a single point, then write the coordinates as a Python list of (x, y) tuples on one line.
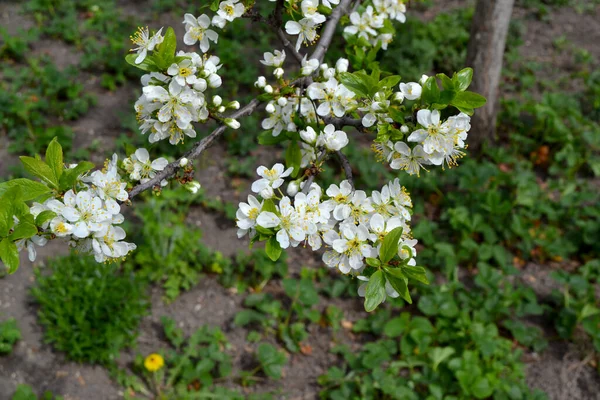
[(484, 54)]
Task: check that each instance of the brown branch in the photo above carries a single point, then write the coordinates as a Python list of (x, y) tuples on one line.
[(311, 178), (346, 166), (195, 152), (329, 30)]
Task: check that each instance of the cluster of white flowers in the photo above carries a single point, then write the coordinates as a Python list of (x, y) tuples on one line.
[(306, 28), (350, 223), (172, 102), (88, 217), (369, 24), (140, 168)]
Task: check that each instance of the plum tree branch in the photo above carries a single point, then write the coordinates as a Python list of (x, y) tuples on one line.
[(329, 30), (195, 152)]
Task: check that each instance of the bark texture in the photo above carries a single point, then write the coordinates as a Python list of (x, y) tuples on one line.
[(485, 54)]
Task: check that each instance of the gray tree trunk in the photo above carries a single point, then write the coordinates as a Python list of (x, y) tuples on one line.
[(484, 54)]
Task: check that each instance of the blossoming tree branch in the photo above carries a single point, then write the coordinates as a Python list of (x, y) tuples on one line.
[(308, 103)]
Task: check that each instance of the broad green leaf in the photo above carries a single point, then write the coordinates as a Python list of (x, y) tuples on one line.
[(468, 100), (439, 355), (399, 285), (482, 389), (293, 157), (463, 79), (54, 158), (375, 291), (9, 255), (271, 360), (431, 91), (389, 248), (166, 50), (446, 97), (44, 217), (373, 262), (354, 83), (415, 273), (273, 249), (389, 82), (8, 203), (41, 170), (147, 65), (447, 82), (70, 176), (30, 190), (397, 326), (24, 229), (269, 205)]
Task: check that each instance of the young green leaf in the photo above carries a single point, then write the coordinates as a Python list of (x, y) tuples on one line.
[(375, 291), (293, 157), (271, 360), (354, 83), (9, 255), (431, 91), (29, 189), (8, 202), (41, 170), (44, 217), (54, 158), (166, 50), (273, 249), (415, 273), (389, 248), (463, 79), (24, 229), (399, 285), (468, 100)]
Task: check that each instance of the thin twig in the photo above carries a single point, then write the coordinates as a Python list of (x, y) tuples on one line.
[(311, 178), (194, 152), (346, 166)]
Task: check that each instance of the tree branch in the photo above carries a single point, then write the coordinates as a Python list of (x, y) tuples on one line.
[(311, 178), (195, 152), (329, 30), (346, 166)]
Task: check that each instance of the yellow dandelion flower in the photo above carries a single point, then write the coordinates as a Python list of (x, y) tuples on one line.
[(154, 362)]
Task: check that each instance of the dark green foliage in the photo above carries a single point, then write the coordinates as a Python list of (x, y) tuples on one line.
[(90, 311)]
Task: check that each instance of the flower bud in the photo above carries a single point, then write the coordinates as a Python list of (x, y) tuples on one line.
[(341, 65), (221, 109), (232, 123), (193, 186), (309, 135), (217, 100), (278, 72), (270, 108), (291, 127), (200, 85), (214, 81), (261, 82), (398, 97), (292, 189), (234, 105), (183, 162), (404, 129), (268, 89), (423, 79), (267, 193), (282, 101)]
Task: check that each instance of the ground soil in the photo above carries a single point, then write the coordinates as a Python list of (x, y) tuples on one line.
[(559, 370)]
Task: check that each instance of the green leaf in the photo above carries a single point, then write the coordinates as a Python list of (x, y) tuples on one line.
[(431, 91), (354, 83), (147, 65), (397, 326), (447, 82), (70, 176), (41, 170), (439, 355), (166, 50), (44, 217), (24, 229), (389, 82), (9, 255), (375, 291), (54, 158), (373, 262), (293, 157), (468, 100), (446, 97), (8, 202), (415, 273), (269, 205), (273, 249), (389, 248), (400, 286), (463, 79), (30, 190), (482, 388), (271, 360)]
